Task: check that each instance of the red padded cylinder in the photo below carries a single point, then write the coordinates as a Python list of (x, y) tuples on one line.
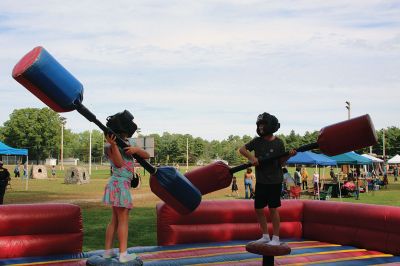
[(210, 178), (40, 230), (223, 220), (352, 134)]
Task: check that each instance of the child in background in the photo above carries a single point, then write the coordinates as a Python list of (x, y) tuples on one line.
[(117, 192), (234, 187), (53, 171)]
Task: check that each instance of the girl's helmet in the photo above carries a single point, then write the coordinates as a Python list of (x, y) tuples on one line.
[(122, 123)]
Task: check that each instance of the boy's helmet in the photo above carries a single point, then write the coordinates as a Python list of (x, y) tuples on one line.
[(270, 124), (122, 123)]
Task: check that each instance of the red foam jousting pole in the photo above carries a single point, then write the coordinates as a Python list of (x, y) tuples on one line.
[(349, 135)]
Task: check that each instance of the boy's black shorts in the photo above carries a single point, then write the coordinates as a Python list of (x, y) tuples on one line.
[(268, 195)]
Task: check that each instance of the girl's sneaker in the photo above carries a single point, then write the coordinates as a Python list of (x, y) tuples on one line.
[(108, 254), (127, 257)]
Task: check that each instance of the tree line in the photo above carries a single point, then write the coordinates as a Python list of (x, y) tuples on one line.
[(39, 131)]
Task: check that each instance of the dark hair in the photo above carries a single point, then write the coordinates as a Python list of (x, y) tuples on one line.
[(249, 170), (284, 170)]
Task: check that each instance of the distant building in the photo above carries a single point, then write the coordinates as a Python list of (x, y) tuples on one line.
[(51, 161), (70, 161)]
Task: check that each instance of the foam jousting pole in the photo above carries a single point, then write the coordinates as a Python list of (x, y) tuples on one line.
[(349, 135), (48, 80)]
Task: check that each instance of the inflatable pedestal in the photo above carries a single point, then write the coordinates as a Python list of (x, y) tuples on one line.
[(97, 260), (267, 251)]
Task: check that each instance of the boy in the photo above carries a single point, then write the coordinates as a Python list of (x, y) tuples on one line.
[(269, 176)]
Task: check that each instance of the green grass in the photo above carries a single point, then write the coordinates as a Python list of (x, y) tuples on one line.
[(142, 222)]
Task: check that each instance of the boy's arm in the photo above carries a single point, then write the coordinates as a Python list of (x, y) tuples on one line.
[(283, 160), (243, 151)]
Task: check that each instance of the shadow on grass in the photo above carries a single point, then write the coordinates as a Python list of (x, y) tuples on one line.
[(142, 226)]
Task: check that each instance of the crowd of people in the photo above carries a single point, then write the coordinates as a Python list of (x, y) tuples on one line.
[(301, 182)]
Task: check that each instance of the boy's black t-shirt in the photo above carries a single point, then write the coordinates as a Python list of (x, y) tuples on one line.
[(270, 172)]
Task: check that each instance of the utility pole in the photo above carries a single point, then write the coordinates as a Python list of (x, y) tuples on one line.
[(348, 109), (63, 121), (187, 154), (90, 152)]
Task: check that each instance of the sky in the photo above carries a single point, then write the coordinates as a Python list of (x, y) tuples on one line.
[(208, 68)]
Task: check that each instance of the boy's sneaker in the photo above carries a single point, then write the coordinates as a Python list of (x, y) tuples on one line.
[(274, 241), (127, 257), (263, 240)]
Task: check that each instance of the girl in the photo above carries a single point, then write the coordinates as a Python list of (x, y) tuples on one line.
[(117, 192), (234, 187)]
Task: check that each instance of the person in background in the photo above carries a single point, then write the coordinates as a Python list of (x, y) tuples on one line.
[(16, 170), (316, 182), (248, 183), (333, 176), (26, 169), (304, 178), (234, 187), (288, 180), (53, 171), (4, 179), (297, 176)]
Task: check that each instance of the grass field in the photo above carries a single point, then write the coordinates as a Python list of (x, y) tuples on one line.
[(142, 224)]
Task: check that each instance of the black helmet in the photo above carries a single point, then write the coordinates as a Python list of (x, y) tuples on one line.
[(122, 123), (270, 122)]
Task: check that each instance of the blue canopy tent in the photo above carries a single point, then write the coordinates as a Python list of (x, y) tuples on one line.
[(7, 150), (310, 158), (351, 158)]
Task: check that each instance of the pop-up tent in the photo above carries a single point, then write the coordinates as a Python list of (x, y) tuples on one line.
[(7, 150), (351, 158), (373, 158), (394, 160), (314, 159), (376, 163), (310, 158)]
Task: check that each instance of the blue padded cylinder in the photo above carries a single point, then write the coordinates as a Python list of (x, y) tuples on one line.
[(48, 80)]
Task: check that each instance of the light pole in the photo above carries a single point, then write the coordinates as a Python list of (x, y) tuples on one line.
[(63, 122), (90, 152), (348, 109)]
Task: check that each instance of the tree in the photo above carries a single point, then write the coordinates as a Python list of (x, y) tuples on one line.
[(37, 130)]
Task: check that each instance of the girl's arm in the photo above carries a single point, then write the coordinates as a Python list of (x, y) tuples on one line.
[(138, 151), (113, 151)]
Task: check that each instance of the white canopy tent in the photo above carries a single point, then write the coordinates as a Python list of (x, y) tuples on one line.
[(373, 158), (376, 164), (394, 160)]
